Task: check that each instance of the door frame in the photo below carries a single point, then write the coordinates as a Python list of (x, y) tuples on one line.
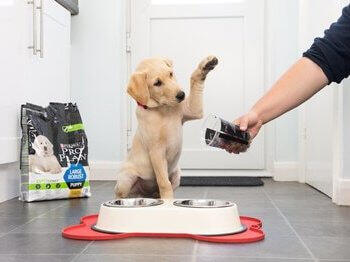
[(127, 108), (125, 112), (337, 143), (337, 123)]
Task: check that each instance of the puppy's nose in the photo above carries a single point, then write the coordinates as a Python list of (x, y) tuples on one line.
[(45, 148), (180, 96)]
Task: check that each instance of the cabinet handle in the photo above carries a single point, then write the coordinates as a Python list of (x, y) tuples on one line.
[(41, 50), (34, 47)]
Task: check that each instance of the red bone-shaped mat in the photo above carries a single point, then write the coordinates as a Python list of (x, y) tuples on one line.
[(83, 231)]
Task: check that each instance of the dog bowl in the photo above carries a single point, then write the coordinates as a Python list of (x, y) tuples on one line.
[(186, 216), (203, 203), (134, 202)]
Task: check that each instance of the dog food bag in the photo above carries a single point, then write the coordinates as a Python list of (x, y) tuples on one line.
[(54, 153)]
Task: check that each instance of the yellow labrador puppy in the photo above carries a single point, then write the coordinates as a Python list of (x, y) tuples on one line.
[(151, 168)]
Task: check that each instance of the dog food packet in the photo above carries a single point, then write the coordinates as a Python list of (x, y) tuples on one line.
[(54, 153)]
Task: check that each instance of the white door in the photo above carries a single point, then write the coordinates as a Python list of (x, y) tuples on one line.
[(186, 32), (316, 16)]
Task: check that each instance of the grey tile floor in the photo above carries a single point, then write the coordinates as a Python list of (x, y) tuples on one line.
[(301, 224)]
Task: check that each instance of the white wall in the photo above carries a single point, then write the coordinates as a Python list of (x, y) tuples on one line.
[(282, 52), (346, 129), (97, 74)]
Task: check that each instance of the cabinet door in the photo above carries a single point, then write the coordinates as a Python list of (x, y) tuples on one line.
[(49, 71), (12, 28), (26, 77)]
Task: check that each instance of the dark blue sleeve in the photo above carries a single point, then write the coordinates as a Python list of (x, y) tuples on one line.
[(332, 52)]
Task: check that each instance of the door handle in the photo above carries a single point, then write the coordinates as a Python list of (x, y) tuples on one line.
[(41, 49), (34, 45)]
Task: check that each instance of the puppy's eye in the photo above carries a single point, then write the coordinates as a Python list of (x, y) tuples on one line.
[(158, 83), (171, 74)]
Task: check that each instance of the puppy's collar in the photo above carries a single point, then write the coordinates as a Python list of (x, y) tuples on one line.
[(144, 106)]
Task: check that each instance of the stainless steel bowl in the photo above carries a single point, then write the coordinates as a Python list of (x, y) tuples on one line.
[(134, 202), (203, 203)]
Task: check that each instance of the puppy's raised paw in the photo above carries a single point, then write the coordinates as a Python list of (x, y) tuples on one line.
[(209, 63), (204, 67)]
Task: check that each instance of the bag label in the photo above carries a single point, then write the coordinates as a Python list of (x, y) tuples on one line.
[(75, 176)]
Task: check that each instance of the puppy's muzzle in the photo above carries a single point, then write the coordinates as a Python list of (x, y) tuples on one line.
[(180, 96)]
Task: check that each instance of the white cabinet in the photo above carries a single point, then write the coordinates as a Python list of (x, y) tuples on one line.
[(48, 70), (25, 77)]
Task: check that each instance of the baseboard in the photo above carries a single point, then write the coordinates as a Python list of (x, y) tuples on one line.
[(286, 171), (104, 170), (342, 194)]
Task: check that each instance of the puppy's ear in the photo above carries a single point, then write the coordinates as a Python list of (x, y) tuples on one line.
[(138, 88), (168, 62)]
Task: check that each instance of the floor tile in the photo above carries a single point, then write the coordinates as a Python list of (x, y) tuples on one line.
[(147, 246), (98, 198), (280, 247), (295, 188), (75, 209), (46, 225), (36, 258), (39, 244), (239, 190), (17, 208), (317, 200), (132, 258), (241, 259), (236, 192), (314, 215), (273, 223), (327, 260), (322, 229), (329, 247), (9, 223), (276, 228)]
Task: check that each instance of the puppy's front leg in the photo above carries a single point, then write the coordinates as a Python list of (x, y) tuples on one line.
[(160, 168), (193, 107)]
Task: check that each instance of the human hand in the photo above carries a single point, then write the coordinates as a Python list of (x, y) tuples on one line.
[(249, 122)]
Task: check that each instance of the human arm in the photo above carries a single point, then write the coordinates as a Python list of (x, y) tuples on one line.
[(326, 61), (299, 83)]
